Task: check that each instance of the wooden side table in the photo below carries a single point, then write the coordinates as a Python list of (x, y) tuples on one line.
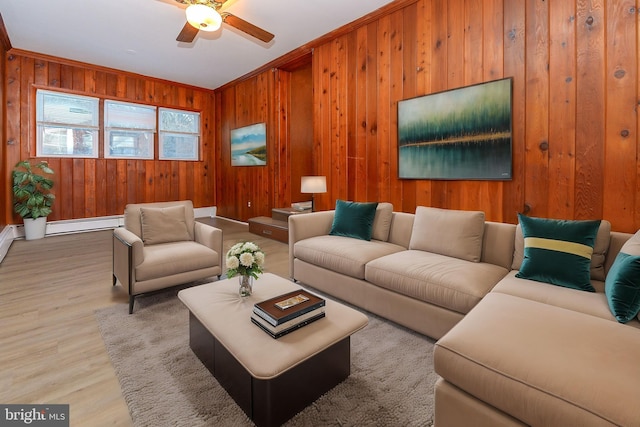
[(276, 227)]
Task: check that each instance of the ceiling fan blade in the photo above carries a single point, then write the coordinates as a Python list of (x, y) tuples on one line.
[(247, 27), (187, 34)]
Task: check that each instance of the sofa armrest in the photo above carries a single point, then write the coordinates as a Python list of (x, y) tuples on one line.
[(210, 237), (130, 239), (304, 226), (127, 254)]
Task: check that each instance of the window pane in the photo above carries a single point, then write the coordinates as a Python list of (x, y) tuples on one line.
[(129, 144), (67, 141), (178, 146), (129, 116), (67, 125), (179, 121), (67, 109)]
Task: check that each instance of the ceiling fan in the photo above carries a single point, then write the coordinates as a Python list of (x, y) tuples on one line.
[(203, 15)]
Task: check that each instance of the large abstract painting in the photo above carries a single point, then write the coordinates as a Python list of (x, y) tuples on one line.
[(463, 133), (249, 145)]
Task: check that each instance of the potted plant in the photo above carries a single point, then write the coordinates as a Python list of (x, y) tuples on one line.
[(32, 197)]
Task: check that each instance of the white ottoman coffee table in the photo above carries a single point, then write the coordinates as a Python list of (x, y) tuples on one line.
[(271, 380)]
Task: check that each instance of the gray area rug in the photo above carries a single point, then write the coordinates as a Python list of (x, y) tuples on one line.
[(164, 384)]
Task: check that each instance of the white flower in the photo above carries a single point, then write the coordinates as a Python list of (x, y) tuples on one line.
[(250, 246), (232, 262), (246, 259), (259, 256), (236, 249)]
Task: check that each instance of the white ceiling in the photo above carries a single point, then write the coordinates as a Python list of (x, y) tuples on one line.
[(139, 36)]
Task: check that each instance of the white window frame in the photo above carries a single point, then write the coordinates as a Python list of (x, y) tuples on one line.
[(114, 130), (43, 126), (190, 153)]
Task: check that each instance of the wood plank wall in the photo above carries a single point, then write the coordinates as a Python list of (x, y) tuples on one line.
[(574, 65), (283, 100), (99, 187)]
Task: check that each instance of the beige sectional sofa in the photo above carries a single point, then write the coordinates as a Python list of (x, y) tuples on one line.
[(510, 351)]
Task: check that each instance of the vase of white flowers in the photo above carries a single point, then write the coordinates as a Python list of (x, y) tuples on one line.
[(245, 260)]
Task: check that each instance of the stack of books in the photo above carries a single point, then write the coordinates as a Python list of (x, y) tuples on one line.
[(285, 313)]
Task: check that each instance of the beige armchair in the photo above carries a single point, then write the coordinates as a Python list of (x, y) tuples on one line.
[(161, 245)]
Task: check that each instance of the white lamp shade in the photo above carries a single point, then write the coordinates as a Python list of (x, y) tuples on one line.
[(313, 184), (203, 17)]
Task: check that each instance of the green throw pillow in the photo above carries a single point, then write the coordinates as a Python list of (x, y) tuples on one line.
[(558, 251), (353, 219), (622, 287)]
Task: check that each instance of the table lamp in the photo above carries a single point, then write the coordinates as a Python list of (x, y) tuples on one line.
[(313, 184)]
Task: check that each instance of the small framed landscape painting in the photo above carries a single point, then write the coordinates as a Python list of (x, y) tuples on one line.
[(249, 145), (462, 133)]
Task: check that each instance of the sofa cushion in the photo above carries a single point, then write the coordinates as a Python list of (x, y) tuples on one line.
[(382, 221), (167, 259), (591, 303), (558, 251), (441, 280), (353, 219), (448, 232), (600, 249), (544, 365), (163, 225), (343, 255)]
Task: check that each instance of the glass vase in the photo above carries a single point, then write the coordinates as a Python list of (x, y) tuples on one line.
[(246, 285)]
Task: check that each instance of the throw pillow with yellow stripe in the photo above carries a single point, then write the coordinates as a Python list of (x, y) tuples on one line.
[(558, 251)]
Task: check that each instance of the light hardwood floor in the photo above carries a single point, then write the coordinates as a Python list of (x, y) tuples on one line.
[(51, 350)]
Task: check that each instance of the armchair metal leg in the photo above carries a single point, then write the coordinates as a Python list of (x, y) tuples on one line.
[(131, 300)]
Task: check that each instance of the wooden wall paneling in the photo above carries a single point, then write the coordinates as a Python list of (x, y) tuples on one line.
[(282, 144), (26, 71), (396, 92), (361, 126), (562, 108), (492, 68), (469, 195), (514, 66), (409, 80), (384, 108), (90, 186), (12, 142), (300, 128), (322, 121), (78, 191), (102, 188), (351, 114), (590, 115), (5, 170), (338, 93), (425, 48), (636, 214), (439, 77), (372, 101), (620, 161), (537, 107)]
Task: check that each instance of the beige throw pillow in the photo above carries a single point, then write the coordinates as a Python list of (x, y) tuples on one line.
[(448, 232), (382, 221), (163, 225), (600, 249)]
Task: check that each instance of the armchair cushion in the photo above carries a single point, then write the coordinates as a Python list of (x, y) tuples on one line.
[(164, 225)]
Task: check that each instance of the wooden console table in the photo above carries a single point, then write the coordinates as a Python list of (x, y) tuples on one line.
[(276, 227)]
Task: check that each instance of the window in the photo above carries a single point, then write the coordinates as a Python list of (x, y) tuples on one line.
[(128, 130), (179, 137), (67, 125)]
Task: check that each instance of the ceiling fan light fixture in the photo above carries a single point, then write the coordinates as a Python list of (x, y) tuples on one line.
[(203, 17)]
